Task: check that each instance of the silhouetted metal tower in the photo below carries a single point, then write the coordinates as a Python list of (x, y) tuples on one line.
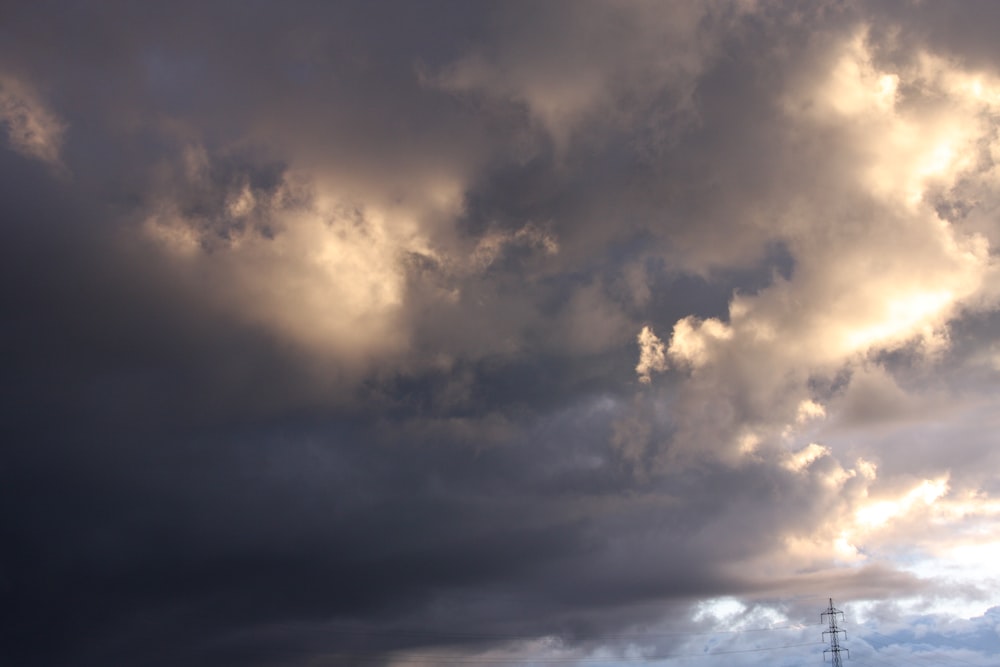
[(834, 633)]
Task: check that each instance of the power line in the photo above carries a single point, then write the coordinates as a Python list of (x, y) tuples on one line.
[(936, 655)]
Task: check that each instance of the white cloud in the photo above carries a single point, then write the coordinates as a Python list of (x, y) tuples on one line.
[(695, 342), (652, 355), (803, 458)]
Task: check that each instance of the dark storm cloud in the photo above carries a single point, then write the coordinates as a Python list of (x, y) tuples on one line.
[(321, 323), (202, 535)]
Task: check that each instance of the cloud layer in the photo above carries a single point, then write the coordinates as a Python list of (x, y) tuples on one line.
[(454, 333)]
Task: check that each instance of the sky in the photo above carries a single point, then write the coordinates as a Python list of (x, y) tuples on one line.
[(499, 333)]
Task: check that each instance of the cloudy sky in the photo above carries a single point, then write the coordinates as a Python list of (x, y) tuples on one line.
[(426, 333)]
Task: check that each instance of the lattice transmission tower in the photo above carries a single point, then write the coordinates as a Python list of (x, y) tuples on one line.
[(834, 633)]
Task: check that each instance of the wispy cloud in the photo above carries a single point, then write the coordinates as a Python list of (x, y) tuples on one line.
[(32, 129)]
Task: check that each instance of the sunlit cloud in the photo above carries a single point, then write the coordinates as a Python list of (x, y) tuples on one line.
[(324, 272), (652, 355), (890, 273), (878, 513)]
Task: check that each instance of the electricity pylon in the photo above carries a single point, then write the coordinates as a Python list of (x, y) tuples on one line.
[(834, 633)]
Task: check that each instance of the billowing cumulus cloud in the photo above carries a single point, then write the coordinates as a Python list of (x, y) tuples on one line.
[(411, 334), (319, 270), (878, 271)]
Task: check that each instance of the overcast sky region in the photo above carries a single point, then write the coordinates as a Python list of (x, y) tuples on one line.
[(398, 334)]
